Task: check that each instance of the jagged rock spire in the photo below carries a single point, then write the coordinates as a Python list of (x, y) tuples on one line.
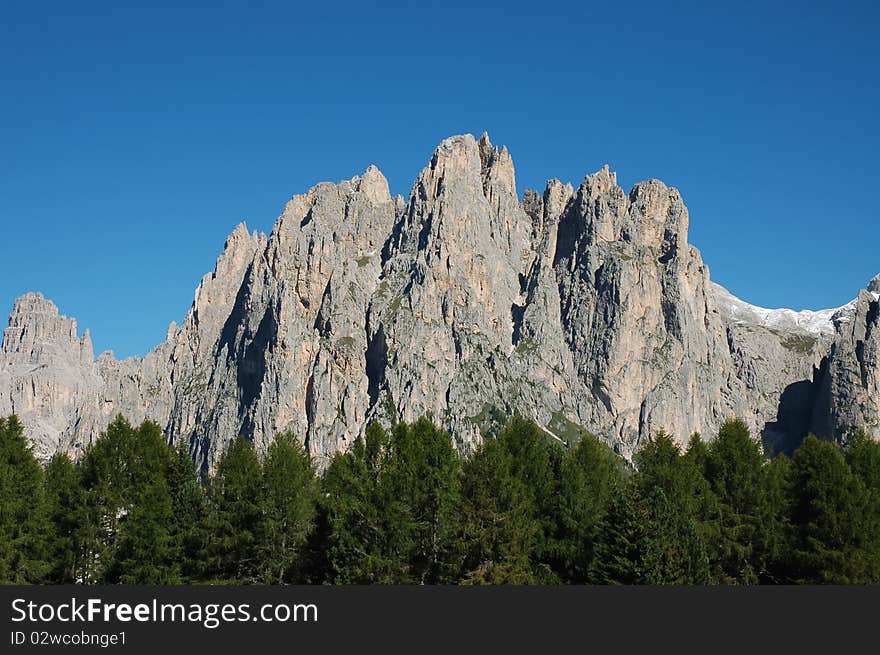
[(39, 334)]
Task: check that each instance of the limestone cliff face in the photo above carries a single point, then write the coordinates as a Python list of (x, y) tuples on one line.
[(48, 376), (848, 384), (646, 345), (583, 309), (807, 372)]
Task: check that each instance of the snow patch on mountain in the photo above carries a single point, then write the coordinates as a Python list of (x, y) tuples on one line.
[(819, 322)]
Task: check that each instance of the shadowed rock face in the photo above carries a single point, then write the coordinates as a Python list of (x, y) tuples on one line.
[(849, 382), (579, 308)]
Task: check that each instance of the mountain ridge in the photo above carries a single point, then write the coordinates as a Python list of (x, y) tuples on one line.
[(581, 308)]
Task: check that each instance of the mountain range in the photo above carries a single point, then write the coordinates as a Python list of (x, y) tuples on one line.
[(584, 309)]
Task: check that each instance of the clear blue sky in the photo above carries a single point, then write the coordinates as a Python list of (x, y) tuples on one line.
[(132, 140)]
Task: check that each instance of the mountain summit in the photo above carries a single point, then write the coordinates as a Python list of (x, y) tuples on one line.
[(581, 308)]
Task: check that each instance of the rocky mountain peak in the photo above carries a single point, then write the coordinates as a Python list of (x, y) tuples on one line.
[(32, 304), (585, 310), (461, 160), (601, 181), (659, 215), (48, 375), (218, 289), (38, 333), (374, 186)]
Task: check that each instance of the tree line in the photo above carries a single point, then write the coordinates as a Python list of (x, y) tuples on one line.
[(401, 506)]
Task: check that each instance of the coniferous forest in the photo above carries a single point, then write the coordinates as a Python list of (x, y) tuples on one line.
[(403, 507)]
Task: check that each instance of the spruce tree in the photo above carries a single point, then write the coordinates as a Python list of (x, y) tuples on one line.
[(646, 540), (24, 523), (369, 533), (424, 474), (591, 474), (660, 463), (290, 494), (116, 471), (863, 457), (188, 509), (500, 529), (735, 470), (234, 520), (536, 460), (777, 528), (658, 525), (65, 501), (147, 552), (835, 517)]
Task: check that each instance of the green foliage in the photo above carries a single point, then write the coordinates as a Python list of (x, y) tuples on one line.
[(115, 473), (189, 507), (660, 522), (510, 508), (590, 476), (233, 523), (389, 507), (65, 502), (424, 477), (367, 524), (863, 457), (735, 470), (404, 507), (500, 529), (658, 525), (647, 540), (837, 531), (661, 465), (537, 460), (799, 343), (147, 551), (23, 511), (290, 489), (777, 535)]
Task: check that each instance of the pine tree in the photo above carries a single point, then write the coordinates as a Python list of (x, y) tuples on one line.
[(188, 508), (500, 529), (777, 527), (646, 540), (289, 512), (735, 471), (404, 508), (620, 541), (591, 474), (658, 525), (835, 517), (537, 460), (863, 457), (116, 470), (424, 474), (147, 552), (234, 521), (65, 500), (152, 458), (660, 463), (369, 533), (23, 511)]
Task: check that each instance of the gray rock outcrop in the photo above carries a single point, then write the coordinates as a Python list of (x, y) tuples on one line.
[(848, 383)]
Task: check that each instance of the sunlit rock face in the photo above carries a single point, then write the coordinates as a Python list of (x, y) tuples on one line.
[(584, 309), (48, 376)]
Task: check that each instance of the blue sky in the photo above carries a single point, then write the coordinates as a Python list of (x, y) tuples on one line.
[(132, 140)]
